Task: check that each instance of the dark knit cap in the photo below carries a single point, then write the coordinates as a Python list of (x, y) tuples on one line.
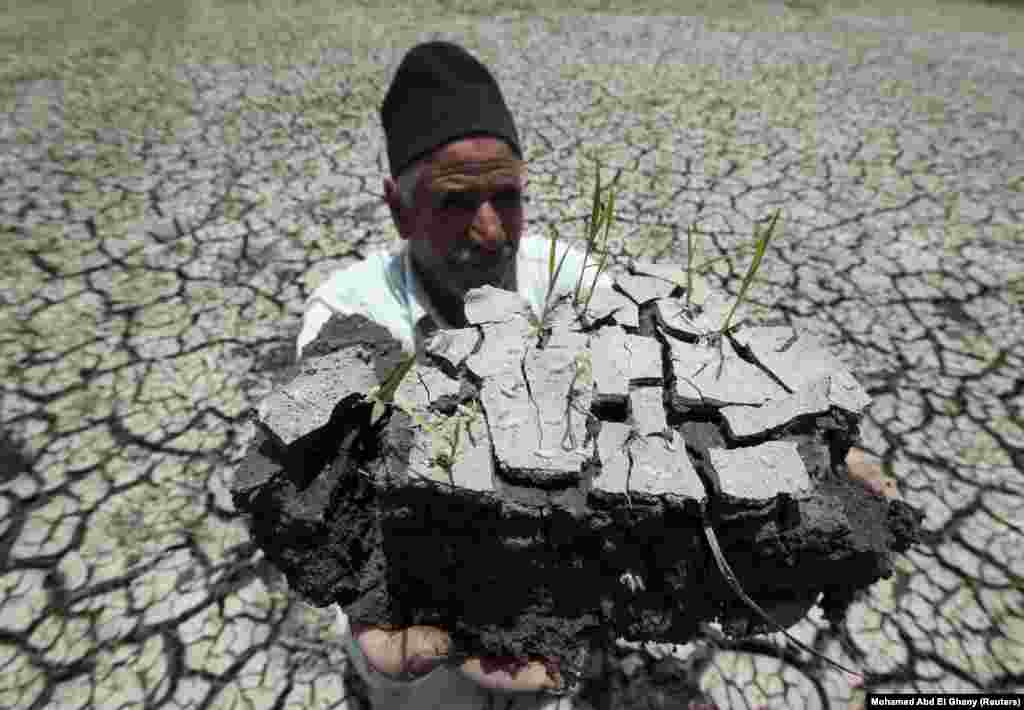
[(441, 93)]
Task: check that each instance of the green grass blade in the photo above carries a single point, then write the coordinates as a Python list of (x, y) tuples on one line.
[(742, 248), (554, 277), (609, 213), (689, 262), (595, 204), (592, 228), (455, 438), (551, 261), (390, 386), (561, 261), (762, 245), (696, 286), (386, 392)]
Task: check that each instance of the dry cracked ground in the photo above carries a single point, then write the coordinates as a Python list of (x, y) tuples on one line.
[(166, 210)]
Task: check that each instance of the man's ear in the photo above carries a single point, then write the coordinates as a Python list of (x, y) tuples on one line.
[(398, 215)]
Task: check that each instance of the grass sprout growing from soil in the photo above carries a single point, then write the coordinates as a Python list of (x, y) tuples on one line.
[(602, 213), (384, 394), (762, 245)]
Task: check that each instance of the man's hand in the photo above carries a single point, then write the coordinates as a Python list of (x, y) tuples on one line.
[(417, 650), (789, 612), (870, 475)]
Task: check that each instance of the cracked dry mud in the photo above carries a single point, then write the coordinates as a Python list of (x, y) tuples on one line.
[(525, 472)]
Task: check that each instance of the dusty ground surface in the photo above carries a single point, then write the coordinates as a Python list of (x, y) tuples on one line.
[(163, 228)]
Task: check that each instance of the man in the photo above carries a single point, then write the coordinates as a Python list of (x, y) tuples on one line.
[(458, 207)]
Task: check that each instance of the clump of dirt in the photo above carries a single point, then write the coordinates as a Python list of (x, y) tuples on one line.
[(532, 495)]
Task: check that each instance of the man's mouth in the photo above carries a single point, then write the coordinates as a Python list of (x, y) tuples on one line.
[(485, 268), (473, 278), (482, 267)]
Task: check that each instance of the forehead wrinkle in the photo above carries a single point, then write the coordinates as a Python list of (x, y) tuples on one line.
[(476, 175)]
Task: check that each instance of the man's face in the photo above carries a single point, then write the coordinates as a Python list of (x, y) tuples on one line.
[(466, 221)]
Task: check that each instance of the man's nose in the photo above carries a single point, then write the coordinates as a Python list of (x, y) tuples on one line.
[(487, 231)]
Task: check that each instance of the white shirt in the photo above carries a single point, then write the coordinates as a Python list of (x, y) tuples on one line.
[(384, 288)]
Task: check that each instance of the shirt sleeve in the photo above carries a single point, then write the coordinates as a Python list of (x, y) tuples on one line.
[(317, 313), (365, 288)]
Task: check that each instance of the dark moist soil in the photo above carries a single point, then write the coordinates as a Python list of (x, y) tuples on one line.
[(343, 522)]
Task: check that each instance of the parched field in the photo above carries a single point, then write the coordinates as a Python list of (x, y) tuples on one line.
[(177, 178)]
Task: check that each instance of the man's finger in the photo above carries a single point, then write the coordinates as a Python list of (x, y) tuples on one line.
[(414, 650), (510, 675), (870, 475)]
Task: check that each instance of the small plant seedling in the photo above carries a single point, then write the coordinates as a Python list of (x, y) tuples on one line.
[(447, 430), (696, 286), (602, 214), (762, 245), (384, 393)]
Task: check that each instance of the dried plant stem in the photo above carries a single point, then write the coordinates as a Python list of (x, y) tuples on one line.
[(730, 577)]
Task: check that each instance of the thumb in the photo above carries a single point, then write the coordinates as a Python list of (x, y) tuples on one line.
[(871, 476), (413, 650)]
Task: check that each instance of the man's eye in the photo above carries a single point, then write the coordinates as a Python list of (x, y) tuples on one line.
[(458, 200), (510, 196)]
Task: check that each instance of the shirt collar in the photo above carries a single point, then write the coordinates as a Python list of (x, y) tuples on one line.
[(423, 317)]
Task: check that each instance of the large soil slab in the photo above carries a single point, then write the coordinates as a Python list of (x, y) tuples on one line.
[(537, 487)]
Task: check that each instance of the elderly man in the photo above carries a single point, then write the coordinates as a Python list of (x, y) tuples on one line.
[(458, 206)]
